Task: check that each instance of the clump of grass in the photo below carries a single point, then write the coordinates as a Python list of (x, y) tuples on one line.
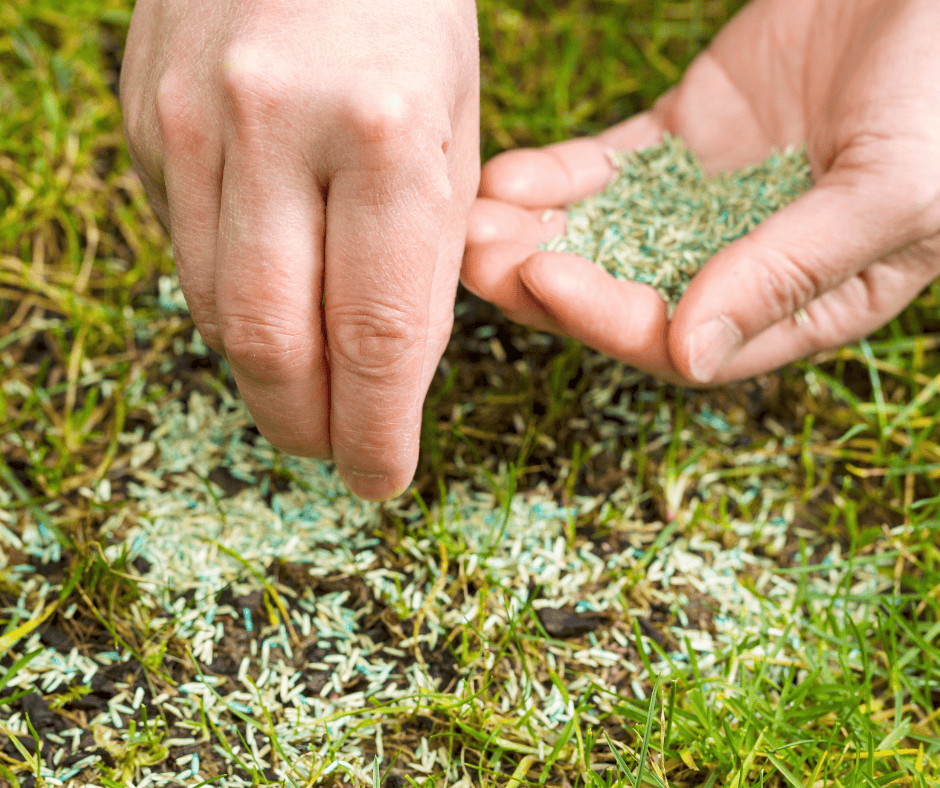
[(662, 217), (77, 248), (553, 70)]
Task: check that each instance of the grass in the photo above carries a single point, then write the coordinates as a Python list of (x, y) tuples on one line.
[(824, 672)]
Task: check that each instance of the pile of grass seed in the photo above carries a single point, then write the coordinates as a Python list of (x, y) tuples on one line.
[(662, 217)]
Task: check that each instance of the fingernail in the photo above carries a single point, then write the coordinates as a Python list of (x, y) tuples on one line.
[(370, 486), (711, 345)]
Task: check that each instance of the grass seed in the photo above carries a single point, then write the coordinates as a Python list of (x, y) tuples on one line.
[(662, 216)]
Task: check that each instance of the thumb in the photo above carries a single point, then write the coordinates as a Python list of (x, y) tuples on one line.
[(765, 279)]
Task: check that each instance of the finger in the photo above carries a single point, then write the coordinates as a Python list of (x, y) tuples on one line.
[(492, 272), (624, 320), (795, 256), (561, 174), (193, 186), (463, 157), (143, 117), (385, 219), (636, 133), (546, 177), (854, 309), (268, 287), (493, 220)]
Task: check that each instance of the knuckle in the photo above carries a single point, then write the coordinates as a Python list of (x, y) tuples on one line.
[(384, 115), (171, 101), (788, 284), (182, 123), (252, 83), (926, 218), (173, 105), (390, 121), (374, 341), (261, 348), (911, 203)]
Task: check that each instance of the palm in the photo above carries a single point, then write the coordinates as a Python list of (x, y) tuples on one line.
[(851, 81)]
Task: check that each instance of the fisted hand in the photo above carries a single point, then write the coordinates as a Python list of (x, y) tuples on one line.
[(315, 162), (859, 82)]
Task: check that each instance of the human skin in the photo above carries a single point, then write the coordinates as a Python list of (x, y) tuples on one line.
[(857, 81), (315, 162)]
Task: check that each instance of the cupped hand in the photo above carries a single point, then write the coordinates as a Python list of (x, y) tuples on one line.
[(857, 81), (315, 162)]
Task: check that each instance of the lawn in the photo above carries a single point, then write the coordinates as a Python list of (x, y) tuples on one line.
[(596, 579)]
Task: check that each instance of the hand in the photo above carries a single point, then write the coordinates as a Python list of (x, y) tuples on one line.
[(859, 82), (315, 162)]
